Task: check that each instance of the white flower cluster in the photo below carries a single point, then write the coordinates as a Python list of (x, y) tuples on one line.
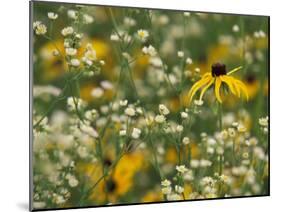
[(40, 28)]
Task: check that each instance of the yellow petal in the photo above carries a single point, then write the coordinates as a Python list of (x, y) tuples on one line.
[(197, 86), (229, 81), (234, 70), (243, 88), (237, 88), (217, 89), (206, 88)]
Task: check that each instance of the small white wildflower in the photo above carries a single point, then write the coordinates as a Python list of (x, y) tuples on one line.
[(73, 182), (123, 102), (71, 51), (235, 28), (166, 190), (184, 115), (198, 102), (150, 50), (166, 183), (97, 92), (179, 189), (40, 29), (122, 132), (197, 70), (73, 14), (235, 124), (88, 19), (241, 128), (35, 24), (136, 133), (106, 85), (163, 109), (90, 55), (74, 62), (160, 119), (126, 55), (52, 15), (205, 163), (143, 34), (67, 31), (231, 132), (179, 128), (253, 141), (263, 121), (129, 111), (188, 61), (102, 62), (181, 169), (174, 197), (185, 140), (186, 14), (114, 37), (194, 163), (129, 21), (139, 110), (180, 54), (89, 130)]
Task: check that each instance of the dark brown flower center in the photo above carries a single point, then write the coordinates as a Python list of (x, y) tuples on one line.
[(111, 185), (218, 69), (251, 78)]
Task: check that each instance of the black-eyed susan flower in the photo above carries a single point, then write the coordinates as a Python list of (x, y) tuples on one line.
[(217, 76)]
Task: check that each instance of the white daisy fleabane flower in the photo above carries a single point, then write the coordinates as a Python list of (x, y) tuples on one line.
[(263, 121), (73, 14), (73, 182), (40, 29), (88, 19), (163, 109), (67, 31), (197, 70), (129, 111), (123, 102), (122, 132), (179, 128), (97, 92), (130, 22), (52, 15), (166, 190), (150, 50), (198, 102), (74, 62), (188, 61), (160, 119), (186, 140), (181, 169), (235, 28), (184, 115), (143, 34), (114, 37), (70, 51), (179, 189), (89, 130), (166, 183), (136, 133), (180, 54)]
